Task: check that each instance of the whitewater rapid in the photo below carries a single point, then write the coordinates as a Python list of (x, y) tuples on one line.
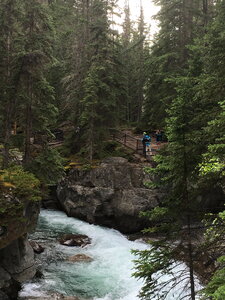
[(107, 277)]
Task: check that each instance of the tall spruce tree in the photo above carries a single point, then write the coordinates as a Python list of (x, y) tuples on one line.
[(35, 93), (126, 59), (10, 45), (164, 62), (90, 80), (134, 49), (99, 98), (180, 23), (63, 19), (178, 166), (212, 167), (180, 208)]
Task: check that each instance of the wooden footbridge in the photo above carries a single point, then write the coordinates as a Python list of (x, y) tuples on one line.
[(133, 142), (128, 140)]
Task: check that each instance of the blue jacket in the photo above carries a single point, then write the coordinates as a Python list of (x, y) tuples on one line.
[(146, 139)]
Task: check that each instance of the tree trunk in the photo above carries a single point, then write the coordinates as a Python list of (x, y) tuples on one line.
[(187, 208), (190, 254), (9, 105), (28, 128), (91, 137), (205, 12)]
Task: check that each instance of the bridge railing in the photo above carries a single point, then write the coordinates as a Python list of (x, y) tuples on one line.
[(127, 140)]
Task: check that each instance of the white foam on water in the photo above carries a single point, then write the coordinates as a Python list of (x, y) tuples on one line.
[(107, 277), (32, 289)]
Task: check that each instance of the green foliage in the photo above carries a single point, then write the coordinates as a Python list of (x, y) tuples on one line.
[(177, 175), (211, 165), (86, 167), (47, 166), (162, 271), (21, 184), (216, 288), (215, 237), (149, 263)]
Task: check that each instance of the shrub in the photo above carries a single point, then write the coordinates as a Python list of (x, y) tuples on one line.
[(47, 166), (21, 184)]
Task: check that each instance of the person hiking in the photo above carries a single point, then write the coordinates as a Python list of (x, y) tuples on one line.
[(158, 136), (146, 141)]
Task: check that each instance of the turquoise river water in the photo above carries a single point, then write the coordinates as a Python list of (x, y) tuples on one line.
[(107, 277)]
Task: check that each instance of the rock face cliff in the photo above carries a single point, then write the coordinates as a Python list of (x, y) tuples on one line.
[(112, 195), (16, 255)]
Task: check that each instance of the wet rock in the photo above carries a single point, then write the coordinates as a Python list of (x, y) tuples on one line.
[(16, 224), (39, 274), (16, 255), (111, 195), (4, 278), (71, 240), (54, 296), (17, 259), (71, 298), (80, 258), (50, 201), (3, 296), (37, 247), (10, 290)]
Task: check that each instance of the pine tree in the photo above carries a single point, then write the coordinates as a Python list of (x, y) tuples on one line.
[(178, 166), (134, 52), (99, 98), (62, 13), (180, 208), (140, 63), (126, 59), (212, 166), (180, 23), (90, 83), (10, 44), (35, 93)]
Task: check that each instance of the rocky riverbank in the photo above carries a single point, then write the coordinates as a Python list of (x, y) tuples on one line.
[(17, 262), (111, 195)]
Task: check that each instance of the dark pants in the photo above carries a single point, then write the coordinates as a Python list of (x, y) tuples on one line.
[(144, 149)]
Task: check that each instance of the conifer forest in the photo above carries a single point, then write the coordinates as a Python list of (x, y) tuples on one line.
[(72, 72)]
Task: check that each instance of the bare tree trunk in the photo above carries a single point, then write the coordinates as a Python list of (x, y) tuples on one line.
[(190, 254), (141, 65), (186, 33), (91, 137), (187, 208), (8, 114), (28, 128), (205, 12)]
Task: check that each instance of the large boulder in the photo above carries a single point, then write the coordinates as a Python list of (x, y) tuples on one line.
[(37, 248), (3, 296), (80, 258), (78, 240), (112, 194), (51, 297)]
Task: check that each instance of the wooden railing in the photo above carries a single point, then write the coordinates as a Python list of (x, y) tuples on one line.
[(127, 140)]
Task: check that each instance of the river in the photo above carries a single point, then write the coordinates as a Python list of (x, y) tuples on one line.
[(107, 277)]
